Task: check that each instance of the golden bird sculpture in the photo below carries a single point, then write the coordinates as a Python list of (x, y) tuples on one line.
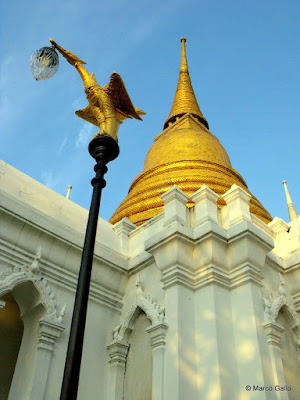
[(108, 105)]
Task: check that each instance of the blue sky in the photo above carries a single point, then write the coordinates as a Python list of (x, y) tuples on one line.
[(244, 62)]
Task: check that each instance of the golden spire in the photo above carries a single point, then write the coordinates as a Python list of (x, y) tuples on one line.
[(185, 100), (185, 154), (292, 212)]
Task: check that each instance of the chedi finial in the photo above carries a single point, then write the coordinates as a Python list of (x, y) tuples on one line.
[(185, 101)]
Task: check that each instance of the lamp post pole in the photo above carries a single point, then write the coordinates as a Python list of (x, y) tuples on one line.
[(103, 149), (108, 107)]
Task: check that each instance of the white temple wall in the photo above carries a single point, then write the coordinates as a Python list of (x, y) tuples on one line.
[(209, 284)]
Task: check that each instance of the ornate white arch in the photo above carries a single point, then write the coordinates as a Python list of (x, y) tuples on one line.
[(273, 304), (17, 275), (144, 302), (278, 299), (118, 349), (49, 326)]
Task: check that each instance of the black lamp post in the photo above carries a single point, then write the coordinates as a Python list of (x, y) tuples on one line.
[(103, 149), (108, 107)]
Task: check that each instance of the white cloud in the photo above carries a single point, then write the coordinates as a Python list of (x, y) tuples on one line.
[(80, 102), (62, 145), (48, 179), (84, 135), (6, 105)]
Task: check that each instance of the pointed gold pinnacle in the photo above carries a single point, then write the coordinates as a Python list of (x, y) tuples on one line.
[(185, 100), (292, 211)]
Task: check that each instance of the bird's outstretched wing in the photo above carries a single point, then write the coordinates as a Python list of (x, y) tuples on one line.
[(117, 92), (87, 114), (70, 57)]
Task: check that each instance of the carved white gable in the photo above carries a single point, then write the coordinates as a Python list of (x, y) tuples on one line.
[(278, 299), (145, 302), (12, 277)]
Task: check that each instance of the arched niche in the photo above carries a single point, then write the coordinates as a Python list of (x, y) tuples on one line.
[(282, 328), (11, 332), (289, 349), (144, 315), (138, 371), (42, 326)]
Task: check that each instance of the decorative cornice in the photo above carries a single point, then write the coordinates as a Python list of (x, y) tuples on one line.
[(279, 227), (211, 274), (246, 272), (138, 263), (53, 273), (275, 262), (178, 275), (262, 225), (244, 229)]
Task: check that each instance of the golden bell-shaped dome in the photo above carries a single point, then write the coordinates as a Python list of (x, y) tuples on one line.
[(185, 153)]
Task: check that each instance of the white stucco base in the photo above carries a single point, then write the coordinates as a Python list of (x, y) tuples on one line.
[(220, 290)]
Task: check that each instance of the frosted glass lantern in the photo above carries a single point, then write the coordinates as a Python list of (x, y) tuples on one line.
[(44, 63)]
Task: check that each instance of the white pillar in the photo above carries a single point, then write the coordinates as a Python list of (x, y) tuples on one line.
[(118, 353), (49, 331), (158, 342), (181, 375), (246, 257), (253, 360), (217, 366), (273, 332)]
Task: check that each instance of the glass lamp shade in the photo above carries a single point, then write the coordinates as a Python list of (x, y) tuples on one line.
[(44, 63)]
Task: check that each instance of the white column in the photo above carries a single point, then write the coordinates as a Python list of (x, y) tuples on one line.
[(158, 342), (273, 332), (252, 355), (246, 257), (118, 353), (49, 331), (217, 366), (181, 376)]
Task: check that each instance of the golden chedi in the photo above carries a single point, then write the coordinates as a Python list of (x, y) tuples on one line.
[(185, 154)]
